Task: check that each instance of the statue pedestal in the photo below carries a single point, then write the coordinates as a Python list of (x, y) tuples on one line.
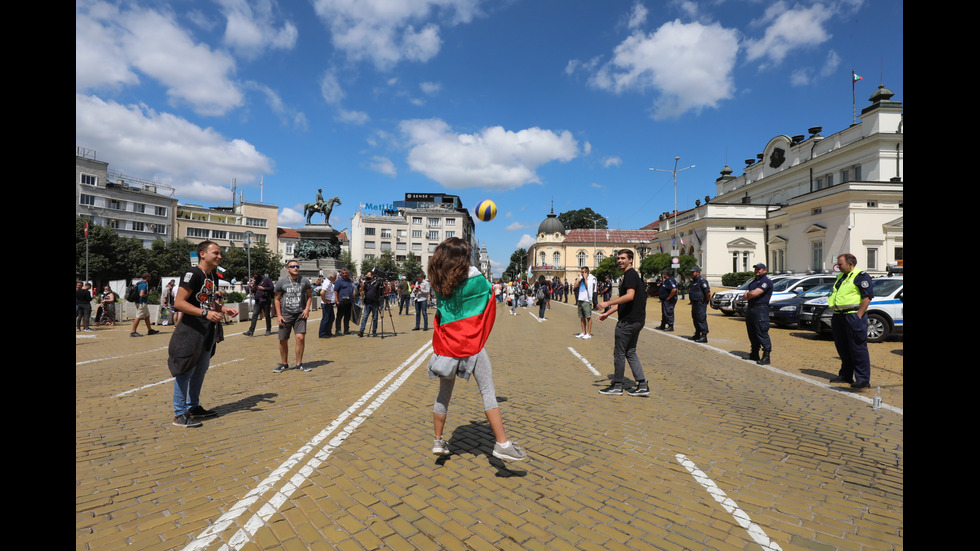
[(317, 232), (317, 261)]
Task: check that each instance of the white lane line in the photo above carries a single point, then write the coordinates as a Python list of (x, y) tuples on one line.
[(165, 381), (729, 505), (586, 362), (120, 357), (243, 505), (816, 382)]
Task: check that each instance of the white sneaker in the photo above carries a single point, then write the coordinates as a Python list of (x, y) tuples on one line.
[(586, 337), (580, 335)]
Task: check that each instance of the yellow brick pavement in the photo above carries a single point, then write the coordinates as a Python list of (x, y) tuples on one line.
[(810, 467)]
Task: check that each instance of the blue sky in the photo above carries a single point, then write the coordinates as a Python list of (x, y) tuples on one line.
[(525, 102)]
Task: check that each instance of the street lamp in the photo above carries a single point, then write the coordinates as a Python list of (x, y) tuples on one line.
[(674, 222)]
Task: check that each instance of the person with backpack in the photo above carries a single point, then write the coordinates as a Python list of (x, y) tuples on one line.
[(541, 295), (140, 294)]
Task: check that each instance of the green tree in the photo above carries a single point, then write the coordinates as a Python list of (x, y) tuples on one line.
[(387, 263), (412, 267), (654, 265), (368, 264), (608, 267), (348, 261), (518, 264), (583, 219)]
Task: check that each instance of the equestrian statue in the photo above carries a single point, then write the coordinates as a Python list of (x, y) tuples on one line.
[(320, 206)]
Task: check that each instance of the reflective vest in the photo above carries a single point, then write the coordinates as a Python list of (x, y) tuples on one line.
[(847, 297)]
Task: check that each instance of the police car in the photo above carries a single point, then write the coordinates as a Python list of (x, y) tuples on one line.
[(886, 313), (725, 300), (786, 287)]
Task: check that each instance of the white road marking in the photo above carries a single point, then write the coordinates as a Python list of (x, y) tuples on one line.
[(242, 536), (586, 362), (741, 518), (137, 389)]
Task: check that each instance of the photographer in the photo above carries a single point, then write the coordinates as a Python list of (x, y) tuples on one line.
[(372, 289)]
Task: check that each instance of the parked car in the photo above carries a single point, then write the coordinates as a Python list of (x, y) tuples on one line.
[(785, 311), (886, 313), (786, 287), (725, 300)]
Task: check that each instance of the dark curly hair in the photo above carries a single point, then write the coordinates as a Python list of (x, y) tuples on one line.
[(449, 265)]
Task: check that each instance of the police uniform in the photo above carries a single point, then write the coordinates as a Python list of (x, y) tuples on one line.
[(850, 331), (667, 306), (757, 318), (699, 292)]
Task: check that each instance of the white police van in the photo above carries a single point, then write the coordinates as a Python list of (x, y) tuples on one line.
[(886, 313)]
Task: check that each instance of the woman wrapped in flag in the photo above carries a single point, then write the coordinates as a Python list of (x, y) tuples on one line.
[(464, 318)]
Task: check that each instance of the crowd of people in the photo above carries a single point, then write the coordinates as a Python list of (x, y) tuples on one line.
[(465, 303)]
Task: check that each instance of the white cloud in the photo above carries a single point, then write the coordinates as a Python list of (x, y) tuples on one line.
[(383, 165), (612, 161), (494, 157), (290, 217), (788, 29), (515, 226), (637, 16), (689, 64), (804, 75), (199, 162), (525, 242), (430, 88), (387, 32), (151, 43), (251, 28), (288, 115)]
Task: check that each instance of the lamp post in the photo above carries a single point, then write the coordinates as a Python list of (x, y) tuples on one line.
[(673, 223)]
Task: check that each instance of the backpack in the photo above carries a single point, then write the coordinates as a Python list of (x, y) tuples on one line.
[(133, 293), (539, 293)]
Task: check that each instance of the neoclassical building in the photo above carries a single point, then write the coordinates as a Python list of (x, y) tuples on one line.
[(558, 252), (803, 201)]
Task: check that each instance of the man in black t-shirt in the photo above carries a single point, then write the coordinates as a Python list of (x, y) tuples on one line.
[(193, 341), (632, 308)]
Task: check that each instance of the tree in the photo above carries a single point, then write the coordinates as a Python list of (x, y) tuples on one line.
[(387, 263), (608, 267), (518, 264), (654, 265), (412, 267), (583, 219), (348, 261), (368, 264)]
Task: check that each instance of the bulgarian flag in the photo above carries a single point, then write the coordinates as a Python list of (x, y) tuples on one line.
[(464, 320), (221, 272)]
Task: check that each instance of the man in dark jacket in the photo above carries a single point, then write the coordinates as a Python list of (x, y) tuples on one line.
[(262, 287)]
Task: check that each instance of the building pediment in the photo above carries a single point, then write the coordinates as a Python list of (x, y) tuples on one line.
[(815, 229), (740, 243), (777, 240)]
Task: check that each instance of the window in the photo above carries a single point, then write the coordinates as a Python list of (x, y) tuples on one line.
[(581, 259), (450, 221), (158, 228), (739, 228), (403, 234), (845, 175), (830, 180), (542, 259), (89, 180), (816, 255), (417, 234), (417, 247), (219, 234), (819, 183), (872, 259), (368, 231), (735, 261), (433, 236), (872, 204), (257, 222), (816, 211), (598, 258), (369, 244), (401, 246), (86, 200), (556, 259), (161, 211), (416, 219), (114, 224), (198, 233), (432, 247), (745, 261), (289, 249), (386, 233), (450, 233), (433, 222), (385, 245), (139, 226), (857, 172), (116, 204)]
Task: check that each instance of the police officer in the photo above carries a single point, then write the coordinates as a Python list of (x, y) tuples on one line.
[(849, 301), (668, 298), (758, 294), (699, 293)]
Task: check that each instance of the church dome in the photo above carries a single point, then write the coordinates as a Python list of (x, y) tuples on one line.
[(551, 224)]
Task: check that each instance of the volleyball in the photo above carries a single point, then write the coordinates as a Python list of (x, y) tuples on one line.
[(486, 210)]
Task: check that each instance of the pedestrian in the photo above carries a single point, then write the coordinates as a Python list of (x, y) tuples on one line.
[(293, 298), (328, 297), (346, 292), (404, 294), (699, 293), (262, 292), (421, 291), (585, 290), (83, 306), (606, 289), (849, 300), (464, 318), (541, 295), (372, 291), (668, 299), (632, 307), (142, 306), (195, 338), (512, 298), (757, 294), (108, 307)]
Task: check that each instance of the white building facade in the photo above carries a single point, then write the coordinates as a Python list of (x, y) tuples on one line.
[(804, 201)]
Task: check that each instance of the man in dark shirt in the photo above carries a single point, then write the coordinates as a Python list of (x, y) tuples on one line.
[(757, 314), (262, 288), (668, 299), (632, 308)]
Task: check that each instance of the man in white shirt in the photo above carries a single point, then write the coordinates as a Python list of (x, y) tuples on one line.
[(329, 298), (585, 288)]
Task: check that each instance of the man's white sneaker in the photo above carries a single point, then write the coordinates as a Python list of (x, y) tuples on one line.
[(586, 337)]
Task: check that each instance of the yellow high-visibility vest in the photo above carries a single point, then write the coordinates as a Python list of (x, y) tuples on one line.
[(848, 296)]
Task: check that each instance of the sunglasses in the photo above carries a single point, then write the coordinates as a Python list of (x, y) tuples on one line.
[(291, 267)]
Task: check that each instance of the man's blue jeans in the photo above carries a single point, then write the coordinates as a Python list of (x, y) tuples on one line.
[(421, 310), (373, 310), (187, 385)]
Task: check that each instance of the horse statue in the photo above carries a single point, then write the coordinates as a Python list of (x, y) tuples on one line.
[(322, 207)]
